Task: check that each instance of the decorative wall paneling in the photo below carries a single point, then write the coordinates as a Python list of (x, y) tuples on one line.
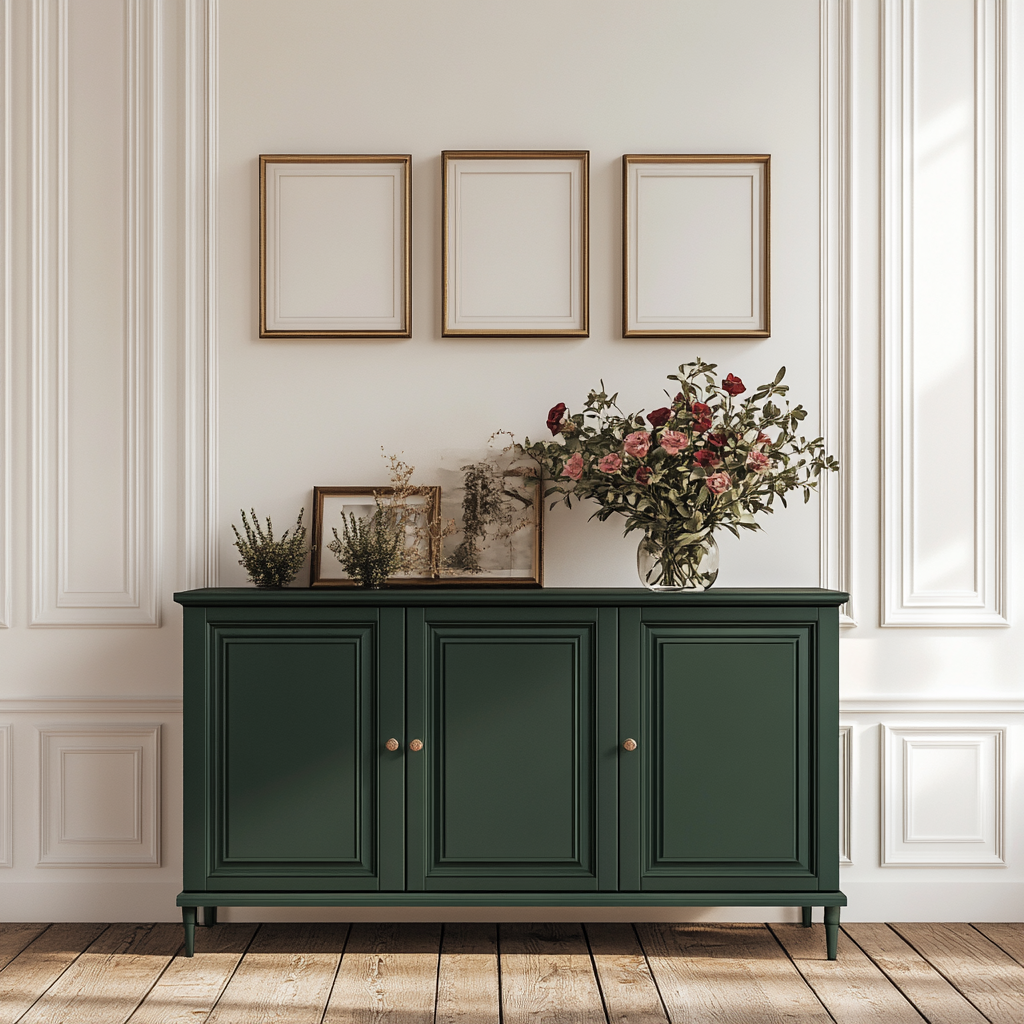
[(6, 798), (943, 796), (944, 284), (834, 242), (95, 375), (99, 790), (845, 792), (199, 415), (5, 318)]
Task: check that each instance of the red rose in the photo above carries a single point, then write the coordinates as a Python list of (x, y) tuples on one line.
[(659, 417), (706, 457), (700, 410), (678, 397), (763, 438), (733, 385), (555, 419), (643, 475), (716, 439), (701, 425)]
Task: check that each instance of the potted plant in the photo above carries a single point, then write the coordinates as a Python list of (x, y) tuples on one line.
[(706, 461)]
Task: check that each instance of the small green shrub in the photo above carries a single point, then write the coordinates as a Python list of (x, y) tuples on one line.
[(269, 562), (370, 550)]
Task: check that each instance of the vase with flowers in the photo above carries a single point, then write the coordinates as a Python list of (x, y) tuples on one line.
[(706, 461)]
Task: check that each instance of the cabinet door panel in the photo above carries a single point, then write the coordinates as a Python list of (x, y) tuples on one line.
[(295, 780), (508, 786), (726, 764)]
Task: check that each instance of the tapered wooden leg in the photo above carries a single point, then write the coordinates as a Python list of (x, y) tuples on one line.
[(188, 917), (831, 932), (209, 916), (807, 916)]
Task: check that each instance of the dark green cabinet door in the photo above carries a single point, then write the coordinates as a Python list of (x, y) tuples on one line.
[(721, 787), (294, 759), (506, 793)]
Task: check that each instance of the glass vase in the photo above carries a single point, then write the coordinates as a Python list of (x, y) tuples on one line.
[(668, 568)]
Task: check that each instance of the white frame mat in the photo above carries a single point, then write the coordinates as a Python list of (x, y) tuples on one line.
[(335, 246), (515, 243), (695, 246)]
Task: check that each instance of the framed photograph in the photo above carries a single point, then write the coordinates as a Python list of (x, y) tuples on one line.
[(695, 246), (422, 532), (515, 243), (335, 246), (492, 519)]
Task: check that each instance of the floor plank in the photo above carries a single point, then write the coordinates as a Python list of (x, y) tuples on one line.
[(285, 976), (630, 995), (109, 980), (467, 978), (547, 975), (190, 987), (933, 996), (729, 974), (14, 938), (40, 964), (1007, 935), (388, 973), (991, 979), (852, 988)]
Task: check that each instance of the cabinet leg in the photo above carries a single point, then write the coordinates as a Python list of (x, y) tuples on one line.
[(831, 932), (807, 916), (209, 916), (188, 918)]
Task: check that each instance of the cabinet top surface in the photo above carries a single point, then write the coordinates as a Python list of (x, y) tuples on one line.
[(497, 596)]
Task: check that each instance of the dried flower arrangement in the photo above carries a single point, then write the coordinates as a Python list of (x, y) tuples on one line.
[(269, 562)]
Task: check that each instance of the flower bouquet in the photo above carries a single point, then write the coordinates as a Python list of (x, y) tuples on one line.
[(707, 460)]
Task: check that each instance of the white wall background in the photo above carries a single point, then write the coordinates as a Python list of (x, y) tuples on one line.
[(141, 410)]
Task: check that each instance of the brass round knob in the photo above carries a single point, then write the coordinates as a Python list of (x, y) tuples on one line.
[(392, 744), (629, 745), (416, 745)]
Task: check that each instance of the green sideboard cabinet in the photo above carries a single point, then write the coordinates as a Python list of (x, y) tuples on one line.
[(500, 747)]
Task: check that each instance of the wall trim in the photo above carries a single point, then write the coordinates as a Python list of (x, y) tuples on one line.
[(5, 322), (90, 705), (833, 295), (927, 706), (845, 794), (902, 605), (200, 408), (54, 603), (6, 798)]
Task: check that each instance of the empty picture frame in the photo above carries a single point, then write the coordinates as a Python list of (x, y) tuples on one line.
[(335, 247), (515, 241), (695, 246)]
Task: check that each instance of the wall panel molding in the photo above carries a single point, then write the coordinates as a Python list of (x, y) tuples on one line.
[(926, 580), (6, 798), (200, 316), (56, 341), (833, 301), (99, 793), (6, 300), (932, 705), (943, 796), (845, 793), (91, 705)]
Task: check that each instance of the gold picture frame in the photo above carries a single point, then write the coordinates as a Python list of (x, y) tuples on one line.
[(335, 246), (326, 571), (696, 252), (515, 239)]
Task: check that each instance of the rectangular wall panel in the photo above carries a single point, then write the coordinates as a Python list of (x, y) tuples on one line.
[(845, 793), (6, 798), (95, 276), (100, 796), (944, 281), (6, 299), (943, 796)]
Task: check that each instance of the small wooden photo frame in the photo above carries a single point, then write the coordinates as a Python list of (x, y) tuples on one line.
[(695, 246), (515, 243), (422, 532), (335, 246)]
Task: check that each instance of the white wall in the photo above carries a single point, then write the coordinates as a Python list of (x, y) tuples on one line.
[(136, 432)]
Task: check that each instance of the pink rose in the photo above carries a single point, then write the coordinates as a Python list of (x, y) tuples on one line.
[(762, 438), (674, 441), (758, 462), (610, 464), (638, 444), (574, 467), (643, 475), (718, 483)]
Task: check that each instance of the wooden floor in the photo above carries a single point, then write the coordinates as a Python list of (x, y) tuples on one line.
[(511, 974)]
